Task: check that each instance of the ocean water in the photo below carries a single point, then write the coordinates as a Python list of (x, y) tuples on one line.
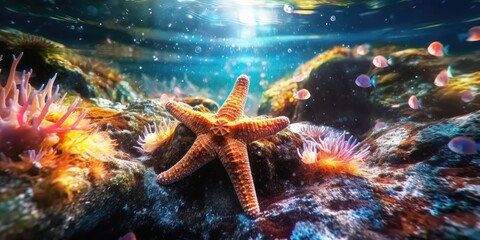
[(211, 42)]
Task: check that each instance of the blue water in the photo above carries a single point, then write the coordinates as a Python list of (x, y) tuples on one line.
[(212, 42)]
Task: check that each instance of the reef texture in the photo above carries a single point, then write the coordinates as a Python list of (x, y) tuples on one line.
[(412, 186)]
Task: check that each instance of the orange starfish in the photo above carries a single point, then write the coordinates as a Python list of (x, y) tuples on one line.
[(224, 135)]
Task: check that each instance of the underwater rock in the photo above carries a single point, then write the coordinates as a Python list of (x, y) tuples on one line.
[(411, 142), (278, 99), (23, 217), (413, 73), (91, 78), (336, 100), (431, 194)]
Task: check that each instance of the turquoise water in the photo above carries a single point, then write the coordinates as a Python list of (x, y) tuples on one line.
[(211, 42)]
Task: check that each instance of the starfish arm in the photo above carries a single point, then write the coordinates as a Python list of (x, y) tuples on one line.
[(194, 120), (232, 109), (252, 129), (201, 152), (234, 158)]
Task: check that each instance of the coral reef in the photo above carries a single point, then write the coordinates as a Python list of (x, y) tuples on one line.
[(43, 139), (78, 175)]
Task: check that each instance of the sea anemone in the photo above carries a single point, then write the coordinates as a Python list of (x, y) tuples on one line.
[(310, 131), (23, 111), (44, 139), (333, 154), (309, 153), (155, 135)]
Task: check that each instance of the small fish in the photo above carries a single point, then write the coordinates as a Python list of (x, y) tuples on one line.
[(302, 94), (380, 62), (413, 102), (380, 125), (467, 96), (299, 77), (363, 49), (363, 81), (442, 79), (463, 145), (474, 34), (437, 49), (373, 81), (449, 71)]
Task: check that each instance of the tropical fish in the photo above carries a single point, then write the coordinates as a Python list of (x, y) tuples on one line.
[(442, 79), (299, 76), (467, 96), (363, 81), (449, 71), (302, 94), (463, 145), (363, 49), (437, 49), (373, 81), (380, 62), (413, 102), (474, 34)]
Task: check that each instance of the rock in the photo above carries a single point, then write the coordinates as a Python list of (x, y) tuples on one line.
[(25, 218), (336, 101), (91, 78)]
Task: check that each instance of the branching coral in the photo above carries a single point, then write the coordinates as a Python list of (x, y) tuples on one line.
[(155, 135), (331, 153)]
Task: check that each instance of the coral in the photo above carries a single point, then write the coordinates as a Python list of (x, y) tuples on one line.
[(53, 143), (333, 154), (155, 135), (23, 120)]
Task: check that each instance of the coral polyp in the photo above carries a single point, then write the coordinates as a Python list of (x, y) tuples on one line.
[(155, 135), (333, 154)]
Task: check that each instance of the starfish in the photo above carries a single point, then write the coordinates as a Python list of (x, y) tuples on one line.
[(225, 136)]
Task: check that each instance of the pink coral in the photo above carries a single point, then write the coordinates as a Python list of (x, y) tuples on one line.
[(23, 111)]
